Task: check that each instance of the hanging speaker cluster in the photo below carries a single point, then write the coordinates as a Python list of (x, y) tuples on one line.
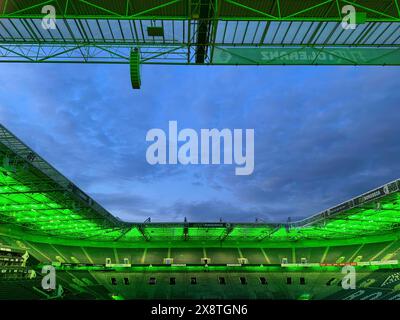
[(135, 68)]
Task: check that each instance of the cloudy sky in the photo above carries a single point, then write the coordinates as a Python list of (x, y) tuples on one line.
[(322, 135)]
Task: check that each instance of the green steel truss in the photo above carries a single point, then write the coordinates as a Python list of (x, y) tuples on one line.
[(38, 200), (36, 197), (219, 32)]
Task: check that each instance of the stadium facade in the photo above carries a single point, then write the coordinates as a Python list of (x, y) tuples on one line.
[(48, 220)]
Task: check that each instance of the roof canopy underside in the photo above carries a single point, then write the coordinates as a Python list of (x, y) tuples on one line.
[(220, 32)]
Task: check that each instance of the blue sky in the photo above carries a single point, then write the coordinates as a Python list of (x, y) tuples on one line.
[(322, 135)]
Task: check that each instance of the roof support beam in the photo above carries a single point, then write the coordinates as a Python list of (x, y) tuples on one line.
[(122, 234), (185, 233), (268, 234), (141, 229), (205, 12), (229, 229)]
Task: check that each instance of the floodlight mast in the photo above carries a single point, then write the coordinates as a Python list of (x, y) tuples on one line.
[(200, 32)]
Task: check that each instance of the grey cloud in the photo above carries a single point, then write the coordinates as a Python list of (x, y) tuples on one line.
[(323, 135)]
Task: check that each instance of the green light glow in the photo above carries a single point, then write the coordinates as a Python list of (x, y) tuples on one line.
[(34, 201), (304, 296), (243, 268)]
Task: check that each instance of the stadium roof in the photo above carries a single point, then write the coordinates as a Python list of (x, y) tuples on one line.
[(220, 32), (36, 198)]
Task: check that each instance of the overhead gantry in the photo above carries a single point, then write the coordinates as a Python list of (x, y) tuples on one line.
[(201, 32)]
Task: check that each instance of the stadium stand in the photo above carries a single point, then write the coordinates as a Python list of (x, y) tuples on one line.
[(19, 290), (155, 256), (380, 251), (277, 255), (133, 255), (187, 255), (310, 255), (377, 285), (371, 250), (222, 255), (99, 255), (50, 221), (232, 285), (255, 255), (339, 254), (72, 254)]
